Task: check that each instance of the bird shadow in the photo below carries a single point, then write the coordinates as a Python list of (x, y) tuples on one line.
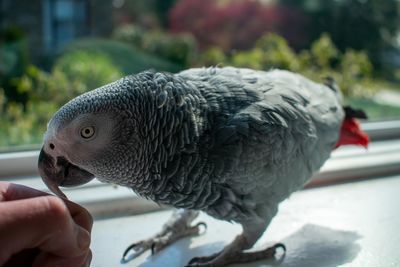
[(310, 246), (179, 254), (315, 246)]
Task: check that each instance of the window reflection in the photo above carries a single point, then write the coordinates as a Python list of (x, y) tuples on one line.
[(53, 50), (64, 21)]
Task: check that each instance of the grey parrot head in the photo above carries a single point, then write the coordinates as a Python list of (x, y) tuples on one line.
[(90, 134)]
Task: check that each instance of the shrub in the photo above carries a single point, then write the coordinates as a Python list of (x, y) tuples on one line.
[(352, 70), (235, 24), (177, 48), (14, 59), (323, 52), (84, 65), (270, 51), (277, 53), (356, 70), (84, 71), (126, 57), (212, 57), (73, 74), (249, 59), (25, 126), (131, 34)]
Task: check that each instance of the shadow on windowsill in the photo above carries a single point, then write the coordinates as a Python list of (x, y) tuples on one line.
[(310, 246)]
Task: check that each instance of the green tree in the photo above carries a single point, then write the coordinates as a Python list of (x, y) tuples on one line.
[(370, 25), (14, 60), (162, 8)]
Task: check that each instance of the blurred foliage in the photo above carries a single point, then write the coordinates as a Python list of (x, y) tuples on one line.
[(177, 48), (130, 34), (14, 60), (73, 74), (84, 71), (24, 126), (219, 23), (352, 69), (84, 65), (323, 52), (276, 52), (150, 14), (270, 51), (161, 6), (89, 63), (128, 58), (212, 56), (375, 110), (370, 25)]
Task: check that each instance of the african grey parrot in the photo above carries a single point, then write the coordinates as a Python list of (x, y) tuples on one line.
[(231, 142)]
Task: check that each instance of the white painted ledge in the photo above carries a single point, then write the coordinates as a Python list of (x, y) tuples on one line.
[(347, 225), (24, 163), (104, 200), (346, 164)]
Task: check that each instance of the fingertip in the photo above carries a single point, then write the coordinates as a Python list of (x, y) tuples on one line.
[(57, 210), (80, 215), (83, 238), (88, 259), (12, 191)]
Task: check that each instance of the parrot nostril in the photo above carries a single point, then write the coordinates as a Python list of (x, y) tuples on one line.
[(51, 146)]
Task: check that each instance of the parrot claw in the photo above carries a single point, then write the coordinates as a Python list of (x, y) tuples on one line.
[(176, 228), (226, 256), (137, 250)]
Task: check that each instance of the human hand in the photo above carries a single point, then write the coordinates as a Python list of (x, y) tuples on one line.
[(40, 230)]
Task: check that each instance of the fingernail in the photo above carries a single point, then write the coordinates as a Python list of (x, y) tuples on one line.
[(83, 238), (89, 259)]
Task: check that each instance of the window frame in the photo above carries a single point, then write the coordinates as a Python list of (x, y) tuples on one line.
[(104, 200)]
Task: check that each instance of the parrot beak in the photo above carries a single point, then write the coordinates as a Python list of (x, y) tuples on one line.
[(58, 171)]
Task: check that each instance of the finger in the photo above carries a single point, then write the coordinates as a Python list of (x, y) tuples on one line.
[(80, 215), (89, 259), (43, 222), (23, 258), (10, 191), (50, 260)]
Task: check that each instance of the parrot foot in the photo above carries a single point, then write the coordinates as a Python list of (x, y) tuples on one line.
[(226, 257), (176, 228)]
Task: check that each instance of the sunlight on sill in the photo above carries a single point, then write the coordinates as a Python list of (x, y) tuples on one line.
[(327, 226)]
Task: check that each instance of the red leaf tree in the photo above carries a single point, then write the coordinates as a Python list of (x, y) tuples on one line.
[(236, 25)]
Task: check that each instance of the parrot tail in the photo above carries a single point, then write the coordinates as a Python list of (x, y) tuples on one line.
[(351, 132)]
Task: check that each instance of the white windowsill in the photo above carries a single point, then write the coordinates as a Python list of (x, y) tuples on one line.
[(104, 200), (352, 225)]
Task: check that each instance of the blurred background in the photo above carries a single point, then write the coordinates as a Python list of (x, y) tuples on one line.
[(54, 50)]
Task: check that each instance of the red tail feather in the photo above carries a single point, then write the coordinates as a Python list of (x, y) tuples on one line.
[(351, 134)]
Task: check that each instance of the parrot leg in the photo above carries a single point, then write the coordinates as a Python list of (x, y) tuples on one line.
[(234, 252), (226, 257), (177, 227)]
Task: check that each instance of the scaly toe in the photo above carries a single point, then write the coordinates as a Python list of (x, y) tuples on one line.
[(223, 259), (199, 261), (137, 250), (193, 230)]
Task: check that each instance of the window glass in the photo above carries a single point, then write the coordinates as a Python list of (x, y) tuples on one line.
[(54, 50), (64, 9)]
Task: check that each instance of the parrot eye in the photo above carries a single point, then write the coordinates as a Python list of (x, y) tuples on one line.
[(87, 132)]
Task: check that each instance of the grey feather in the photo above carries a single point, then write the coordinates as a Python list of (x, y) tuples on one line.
[(217, 139)]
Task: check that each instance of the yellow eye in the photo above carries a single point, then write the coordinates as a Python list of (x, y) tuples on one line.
[(87, 132)]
